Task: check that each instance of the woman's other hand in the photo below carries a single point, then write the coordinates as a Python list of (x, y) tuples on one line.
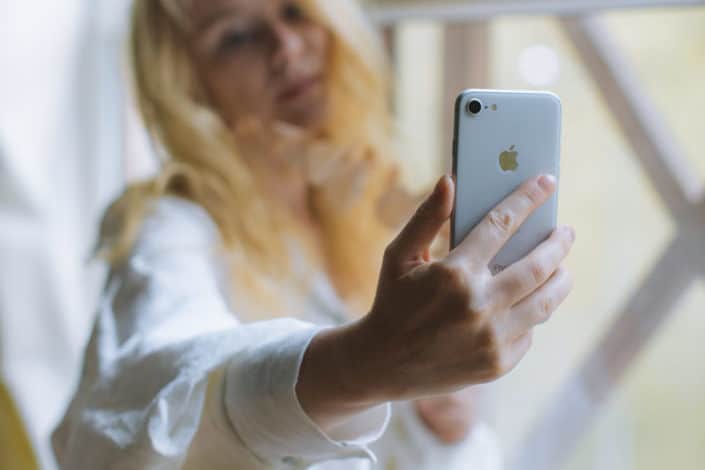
[(449, 417)]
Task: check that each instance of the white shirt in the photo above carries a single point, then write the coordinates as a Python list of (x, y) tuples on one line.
[(173, 379)]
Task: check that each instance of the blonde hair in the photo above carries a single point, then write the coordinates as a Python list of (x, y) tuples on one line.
[(201, 162)]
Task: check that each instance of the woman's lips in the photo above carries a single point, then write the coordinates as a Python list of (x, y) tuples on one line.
[(298, 88)]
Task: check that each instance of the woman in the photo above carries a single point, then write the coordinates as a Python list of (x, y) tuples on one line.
[(243, 324)]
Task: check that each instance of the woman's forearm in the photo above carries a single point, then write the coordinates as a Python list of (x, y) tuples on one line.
[(334, 384)]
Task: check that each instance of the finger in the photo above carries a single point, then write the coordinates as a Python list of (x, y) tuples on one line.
[(541, 305), (418, 234), (439, 249), (525, 276), (498, 226)]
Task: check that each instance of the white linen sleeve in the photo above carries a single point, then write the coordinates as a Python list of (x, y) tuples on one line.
[(408, 443), (169, 371), (261, 402)]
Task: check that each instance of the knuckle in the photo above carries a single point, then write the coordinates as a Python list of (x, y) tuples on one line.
[(533, 194), (479, 306), (492, 353), (501, 219), (538, 272), (496, 366), (512, 286), (564, 284), (452, 280), (545, 309), (561, 274), (443, 273)]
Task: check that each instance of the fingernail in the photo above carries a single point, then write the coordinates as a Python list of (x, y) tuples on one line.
[(439, 185), (547, 182)]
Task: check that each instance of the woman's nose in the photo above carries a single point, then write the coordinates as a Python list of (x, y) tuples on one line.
[(289, 46)]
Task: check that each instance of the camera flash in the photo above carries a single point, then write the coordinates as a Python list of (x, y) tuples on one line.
[(494, 107)]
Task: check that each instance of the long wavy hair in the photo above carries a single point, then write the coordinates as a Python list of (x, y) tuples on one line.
[(200, 160)]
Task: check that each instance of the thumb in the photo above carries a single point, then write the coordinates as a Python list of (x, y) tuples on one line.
[(418, 234)]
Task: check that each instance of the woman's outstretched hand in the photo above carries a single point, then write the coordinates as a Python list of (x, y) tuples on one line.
[(438, 326)]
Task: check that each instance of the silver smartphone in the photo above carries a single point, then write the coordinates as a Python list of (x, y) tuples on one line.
[(503, 138)]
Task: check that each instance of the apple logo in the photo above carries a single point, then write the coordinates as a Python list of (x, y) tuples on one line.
[(508, 159)]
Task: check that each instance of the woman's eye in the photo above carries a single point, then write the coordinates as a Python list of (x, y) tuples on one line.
[(237, 39), (293, 12)]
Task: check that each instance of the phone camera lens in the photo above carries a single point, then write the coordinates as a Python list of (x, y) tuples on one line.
[(474, 107)]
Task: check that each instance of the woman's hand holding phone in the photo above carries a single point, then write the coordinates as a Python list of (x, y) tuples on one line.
[(439, 326)]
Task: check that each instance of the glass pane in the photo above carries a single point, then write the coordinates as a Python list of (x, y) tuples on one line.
[(417, 101), (656, 419), (603, 192), (623, 229), (667, 49)]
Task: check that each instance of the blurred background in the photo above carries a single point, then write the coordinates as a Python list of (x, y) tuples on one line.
[(615, 381)]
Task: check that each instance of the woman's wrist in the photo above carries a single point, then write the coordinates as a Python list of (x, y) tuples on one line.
[(335, 380)]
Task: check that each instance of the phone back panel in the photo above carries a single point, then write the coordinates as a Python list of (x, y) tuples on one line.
[(528, 123)]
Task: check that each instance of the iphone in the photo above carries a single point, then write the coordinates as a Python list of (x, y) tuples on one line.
[(501, 139)]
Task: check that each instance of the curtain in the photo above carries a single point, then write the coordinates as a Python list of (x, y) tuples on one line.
[(61, 161)]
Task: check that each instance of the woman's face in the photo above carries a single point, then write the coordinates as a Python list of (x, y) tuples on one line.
[(261, 59)]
